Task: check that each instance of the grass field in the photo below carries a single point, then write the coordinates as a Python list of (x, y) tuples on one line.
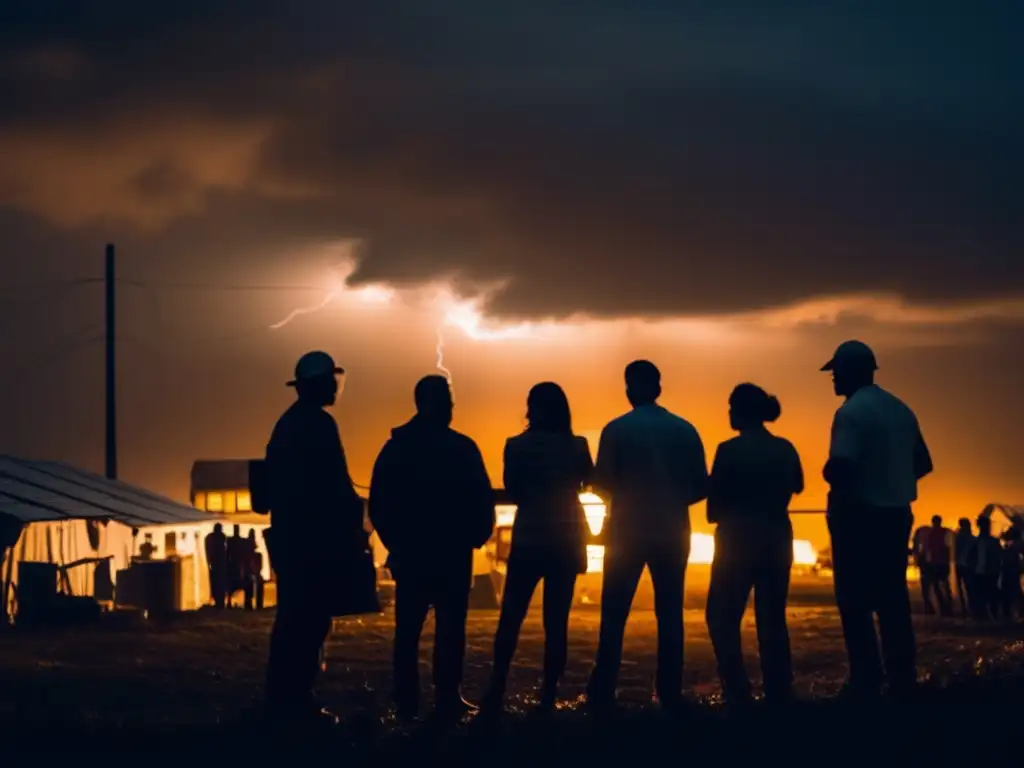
[(200, 677)]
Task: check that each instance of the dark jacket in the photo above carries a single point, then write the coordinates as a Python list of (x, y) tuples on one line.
[(430, 497), (315, 510), (544, 474)]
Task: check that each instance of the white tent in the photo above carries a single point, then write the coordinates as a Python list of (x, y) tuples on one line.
[(60, 514)]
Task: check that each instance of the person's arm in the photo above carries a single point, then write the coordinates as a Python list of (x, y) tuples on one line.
[(797, 472), (385, 491), (512, 475), (922, 457), (479, 497), (696, 469), (586, 462), (719, 484), (606, 465), (841, 469)]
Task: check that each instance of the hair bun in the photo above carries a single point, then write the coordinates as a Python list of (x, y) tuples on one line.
[(772, 408)]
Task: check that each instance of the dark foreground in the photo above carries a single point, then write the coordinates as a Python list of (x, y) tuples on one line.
[(195, 685)]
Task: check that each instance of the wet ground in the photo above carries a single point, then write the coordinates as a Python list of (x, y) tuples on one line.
[(201, 676)]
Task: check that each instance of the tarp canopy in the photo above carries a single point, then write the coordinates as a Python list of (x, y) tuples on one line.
[(1013, 512), (47, 491)]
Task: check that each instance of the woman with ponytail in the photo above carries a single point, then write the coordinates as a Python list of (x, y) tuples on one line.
[(753, 478)]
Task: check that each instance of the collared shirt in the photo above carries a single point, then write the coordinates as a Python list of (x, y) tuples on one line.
[(652, 465), (880, 435)]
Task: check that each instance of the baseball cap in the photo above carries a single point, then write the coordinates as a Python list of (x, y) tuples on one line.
[(314, 364), (852, 354)]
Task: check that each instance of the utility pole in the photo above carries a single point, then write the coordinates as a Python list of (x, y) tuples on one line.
[(111, 370)]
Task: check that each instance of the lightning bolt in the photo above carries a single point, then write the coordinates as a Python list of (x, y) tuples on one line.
[(331, 296), (440, 357)]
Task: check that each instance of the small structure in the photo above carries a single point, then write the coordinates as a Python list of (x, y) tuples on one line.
[(85, 532)]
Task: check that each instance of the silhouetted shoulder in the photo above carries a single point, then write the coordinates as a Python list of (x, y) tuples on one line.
[(516, 442), (581, 443), (463, 442), (617, 423)]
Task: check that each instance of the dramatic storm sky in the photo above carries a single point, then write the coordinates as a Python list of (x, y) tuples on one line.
[(729, 188)]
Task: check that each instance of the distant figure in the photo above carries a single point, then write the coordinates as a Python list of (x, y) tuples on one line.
[(986, 564), (753, 478), (217, 564), (1012, 597), (651, 467), (238, 565), (546, 467), (937, 549), (919, 551), (963, 544), (255, 572), (148, 549), (431, 504), (876, 458), (311, 490)]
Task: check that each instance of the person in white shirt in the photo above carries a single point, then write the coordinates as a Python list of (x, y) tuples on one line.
[(876, 457), (651, 467)]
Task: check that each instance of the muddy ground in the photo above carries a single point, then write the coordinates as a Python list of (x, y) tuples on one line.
[(198, 681)]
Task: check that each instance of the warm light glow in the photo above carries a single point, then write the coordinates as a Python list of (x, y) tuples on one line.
[(214, 502), (244, 501), (702, 545)]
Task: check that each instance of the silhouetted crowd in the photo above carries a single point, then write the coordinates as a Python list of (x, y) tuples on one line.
[(987, 569), (431, 503)]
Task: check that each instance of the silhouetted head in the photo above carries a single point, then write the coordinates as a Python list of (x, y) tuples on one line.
[(936, 521), (433, 398), (750, 407), (643, 383), (965, 525), (316, 379), (218, 528), (547, 409), (984, 525), (238, 530), (853, 366), (252, 534)]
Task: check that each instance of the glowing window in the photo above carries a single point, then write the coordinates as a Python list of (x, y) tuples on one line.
[(244, 501), (214, 502), (229, 502), (200, 501)]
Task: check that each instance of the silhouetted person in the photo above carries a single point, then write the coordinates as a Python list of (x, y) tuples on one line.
[(963, 544), (876, 458), (753, 477), (986, 564), (919, 551), (238, 565), (432, 504), (546, 467), (1010, 593), (937, 556), (311, 491), (651, 468), (217, 563), (255, 572), (148, 548)]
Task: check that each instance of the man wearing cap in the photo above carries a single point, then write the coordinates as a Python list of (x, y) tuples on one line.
[(651, 467), (316, 522), (876, 458)]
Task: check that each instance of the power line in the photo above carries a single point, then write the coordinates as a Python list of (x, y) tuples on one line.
[(205, 286)]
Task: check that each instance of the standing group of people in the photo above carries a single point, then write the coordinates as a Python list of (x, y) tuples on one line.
[(431, 503), (987, 569), (235, 565)]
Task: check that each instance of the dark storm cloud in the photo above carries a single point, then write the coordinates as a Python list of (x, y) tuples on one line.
[(610, 158)]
